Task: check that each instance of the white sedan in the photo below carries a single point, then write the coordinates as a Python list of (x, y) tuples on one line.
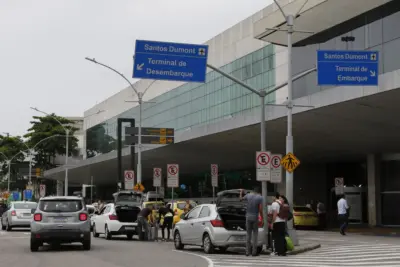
[(116, 220)]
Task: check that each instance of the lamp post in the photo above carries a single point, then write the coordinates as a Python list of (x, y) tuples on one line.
[(8, 162), (140, 101), (67, 131)]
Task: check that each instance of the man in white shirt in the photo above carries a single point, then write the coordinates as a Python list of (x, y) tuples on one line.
[(343, 214)]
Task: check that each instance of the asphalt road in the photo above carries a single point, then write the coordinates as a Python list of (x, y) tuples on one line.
[(15, 252), (336, 250)]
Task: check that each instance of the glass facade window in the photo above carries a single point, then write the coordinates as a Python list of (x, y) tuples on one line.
[(195, 104), (381, 35)]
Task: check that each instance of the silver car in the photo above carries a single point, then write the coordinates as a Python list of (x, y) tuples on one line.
[(221, 225), (18, 214), (60, 220)]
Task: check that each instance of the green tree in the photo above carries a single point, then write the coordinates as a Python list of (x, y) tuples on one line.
[(10, 146), (44, 127), (97, 141)]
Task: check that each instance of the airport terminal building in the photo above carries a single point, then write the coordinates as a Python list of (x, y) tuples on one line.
[(340, 131)]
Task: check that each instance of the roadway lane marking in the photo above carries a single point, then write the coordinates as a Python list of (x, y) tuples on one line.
[(209, 261)]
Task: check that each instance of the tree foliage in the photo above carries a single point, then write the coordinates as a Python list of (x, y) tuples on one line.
[(10, 146), (98, 141), (45, 127)]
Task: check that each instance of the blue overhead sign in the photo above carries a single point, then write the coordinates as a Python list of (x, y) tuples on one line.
[(28, 194), (170, 61), (348, 68)]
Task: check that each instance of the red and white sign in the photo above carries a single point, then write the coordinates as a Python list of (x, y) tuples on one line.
[(157, 177), (214, 175), (129, 177), (263, 163), (172, 175), (276, 168), (42, 190), (339, 186)]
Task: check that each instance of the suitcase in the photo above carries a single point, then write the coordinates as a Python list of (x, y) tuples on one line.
[(154, 233)]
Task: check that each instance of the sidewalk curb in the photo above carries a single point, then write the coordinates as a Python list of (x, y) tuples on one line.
[(304, 249)]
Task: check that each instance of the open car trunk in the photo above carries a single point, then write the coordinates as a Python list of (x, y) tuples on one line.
[(127, 205), (127, 213), (231, 210)]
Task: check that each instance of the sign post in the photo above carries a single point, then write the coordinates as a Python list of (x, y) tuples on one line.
[(214, 178), (276, 168), (170, 61), (349, 68), (263, 163), (172, 178), (42, 190), (339, 186), (157, 178), (129, 177)]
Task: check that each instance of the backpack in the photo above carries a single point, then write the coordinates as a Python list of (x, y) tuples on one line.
[(284, 211)]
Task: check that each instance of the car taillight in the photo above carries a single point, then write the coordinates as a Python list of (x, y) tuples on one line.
[(37, 217), (217, 223), (13, 213), (113, 217), (83, 217), (260, 222)]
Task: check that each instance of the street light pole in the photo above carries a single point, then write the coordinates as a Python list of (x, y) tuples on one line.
[(140, 101), (8, 162), (67, 132)]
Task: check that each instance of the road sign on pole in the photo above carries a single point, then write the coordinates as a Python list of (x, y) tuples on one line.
[(263, 163), (276, 168), (129, 177), (28, 194), (339, 186), (350, 68), (290, 162), (154, 140), (42, 190), (173, 175), (151, 131), (170, 61), (214, 175), (157, 177)]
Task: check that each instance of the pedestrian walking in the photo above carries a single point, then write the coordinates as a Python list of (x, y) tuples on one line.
[(280, 214), (144, 216), (253, 211), (321, 211), (343, 214), (168, 215)]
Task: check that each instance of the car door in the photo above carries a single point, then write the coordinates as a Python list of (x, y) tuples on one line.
[(199, 224), (188, 236), (100, 220)]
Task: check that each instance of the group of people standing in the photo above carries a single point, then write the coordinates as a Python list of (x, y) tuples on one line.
[(150, 224), (278, 216)]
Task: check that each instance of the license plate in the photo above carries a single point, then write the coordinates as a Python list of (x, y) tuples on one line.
[(129, 228), (59, 220), (26, 214), (240, 238)]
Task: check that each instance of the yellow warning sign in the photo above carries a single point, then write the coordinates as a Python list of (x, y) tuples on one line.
[(290, 162)]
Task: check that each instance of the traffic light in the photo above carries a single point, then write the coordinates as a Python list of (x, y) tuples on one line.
[(38, 172)]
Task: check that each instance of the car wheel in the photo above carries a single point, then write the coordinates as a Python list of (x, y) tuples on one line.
[(129, 236), (94, 232), (178, 241), (8, 227), (34, 245), (208, 246), (86, 244), (107, 233)]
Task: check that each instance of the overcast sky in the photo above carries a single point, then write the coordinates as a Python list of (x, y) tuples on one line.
[(43, 44)]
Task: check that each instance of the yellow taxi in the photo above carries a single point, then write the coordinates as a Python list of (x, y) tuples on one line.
[(304, 217), (156, 205), (179, 208)]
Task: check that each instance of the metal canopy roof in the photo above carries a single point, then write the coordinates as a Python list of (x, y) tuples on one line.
[(316, 16)]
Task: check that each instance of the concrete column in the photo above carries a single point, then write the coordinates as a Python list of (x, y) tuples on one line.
[(373, 176), (60, 188)]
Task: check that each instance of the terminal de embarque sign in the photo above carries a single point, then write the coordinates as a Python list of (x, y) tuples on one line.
[(170, 61)]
